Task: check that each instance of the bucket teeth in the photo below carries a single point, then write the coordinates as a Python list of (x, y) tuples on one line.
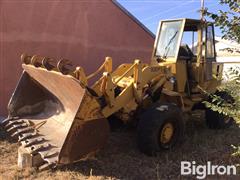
[(25, 136), (50, 157), (30, 142), (36, 148), (16, 126), (36, 144), (11, 123), (22, 130), (48, 153), (7, 120), (51, 160), (46, 166)]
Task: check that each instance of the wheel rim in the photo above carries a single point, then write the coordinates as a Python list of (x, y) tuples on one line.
[(166, 133)]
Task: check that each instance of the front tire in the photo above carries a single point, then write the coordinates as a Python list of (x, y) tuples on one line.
[(160, 127)]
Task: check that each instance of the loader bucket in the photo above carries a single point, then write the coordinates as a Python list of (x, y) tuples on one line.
[(55, 117)]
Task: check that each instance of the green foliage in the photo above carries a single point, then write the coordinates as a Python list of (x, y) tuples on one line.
[(237, 151), (228, 21), (229, 108)]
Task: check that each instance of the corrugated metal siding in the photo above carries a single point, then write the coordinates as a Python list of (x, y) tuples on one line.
[(82, 31)]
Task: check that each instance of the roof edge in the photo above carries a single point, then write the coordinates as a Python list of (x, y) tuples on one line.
[(226, 41), (125, 11)]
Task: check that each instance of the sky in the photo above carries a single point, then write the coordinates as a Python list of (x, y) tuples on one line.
[(149, 12)]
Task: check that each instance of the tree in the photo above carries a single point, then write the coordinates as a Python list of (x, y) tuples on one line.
[(231, 87), (228, 21)]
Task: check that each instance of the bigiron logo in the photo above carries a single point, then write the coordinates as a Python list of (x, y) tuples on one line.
[(202, 171)]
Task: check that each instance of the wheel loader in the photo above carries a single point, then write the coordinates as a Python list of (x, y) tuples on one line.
[(58, 117)]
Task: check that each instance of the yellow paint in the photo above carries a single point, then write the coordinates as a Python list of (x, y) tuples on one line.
[(132, 85), (166, 133)]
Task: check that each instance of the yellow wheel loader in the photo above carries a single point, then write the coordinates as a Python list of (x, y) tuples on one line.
[(58, 118)]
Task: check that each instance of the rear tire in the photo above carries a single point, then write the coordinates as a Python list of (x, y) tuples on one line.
[(214, 119), (160, 127)]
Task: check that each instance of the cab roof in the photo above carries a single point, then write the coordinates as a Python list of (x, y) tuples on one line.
[(190, 24)]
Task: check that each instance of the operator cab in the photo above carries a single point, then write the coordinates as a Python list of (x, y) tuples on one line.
[(189, 45), (181, 38)]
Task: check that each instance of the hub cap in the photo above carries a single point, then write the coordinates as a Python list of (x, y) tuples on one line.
[(166, 133)]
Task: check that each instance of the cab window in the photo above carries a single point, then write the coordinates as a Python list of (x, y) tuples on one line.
[(209, 42), (168, 39)]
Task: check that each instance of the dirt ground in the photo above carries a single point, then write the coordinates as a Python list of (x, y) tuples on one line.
[(121, 159)]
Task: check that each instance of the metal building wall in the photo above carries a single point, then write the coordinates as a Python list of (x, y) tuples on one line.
[(82, 31)]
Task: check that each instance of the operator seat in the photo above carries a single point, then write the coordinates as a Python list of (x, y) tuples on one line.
[(186, 53)]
